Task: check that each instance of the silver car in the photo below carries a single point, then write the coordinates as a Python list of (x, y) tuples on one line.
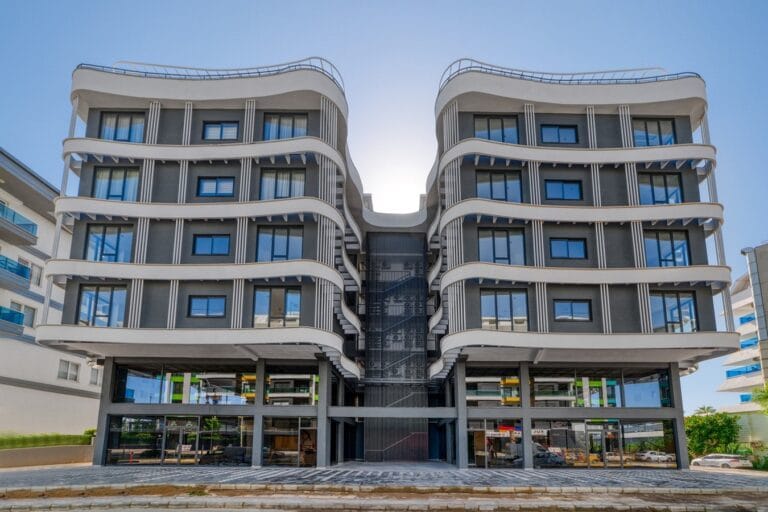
[(722, 460)]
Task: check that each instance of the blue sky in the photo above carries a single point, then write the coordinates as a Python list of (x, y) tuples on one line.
[(391, 55)]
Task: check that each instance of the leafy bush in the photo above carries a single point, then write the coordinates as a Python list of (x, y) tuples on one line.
[(760, 463), (711, 433), (8, 441)]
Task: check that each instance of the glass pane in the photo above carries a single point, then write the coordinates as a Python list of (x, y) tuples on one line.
[(131, 185), (483, 185), (101, 184), (651, 250), (510, 130), (659, 189), (206, 187), (504, 311), (558, 248), (688, 312), (672, 312), (300, 126), (681, 248), (117, 312), (283, 184), (103, 307), (137, 128), (498, 187), (554, 189), (481, 127), (95, 240), (108, 125), (500, 247), (264, 245), (286, 127), (567, 135), (488, 310), (198, 306), (212, 131), (280, 244), (648, 444), (572, 190), (271, 127), (550, 134), (267, 186), (295, 243), (581, 310), (225, 186), (261, 308), (116, 184), (658, 319), (63, 369), (485, 245), (292, 308), (220, 245), (646, 193), (124, 244), (520, 311), (217, 306), (674, 190), (577, 249), (516, 248), (514, 188), (653, 133), (87, 302), (667, 132), (666, 253), (203, 245), (638, 129), (563, 310), (495, 129), (297, 184), (229, 131), (123, 130)]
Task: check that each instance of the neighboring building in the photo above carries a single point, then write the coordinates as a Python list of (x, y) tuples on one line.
[(41, 389), (250, 307), (747, 369)]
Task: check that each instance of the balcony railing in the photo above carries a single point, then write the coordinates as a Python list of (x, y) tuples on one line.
[(744, 370), (272, 391), (9, 315), (18, 219), (751, 342), (14, 267)]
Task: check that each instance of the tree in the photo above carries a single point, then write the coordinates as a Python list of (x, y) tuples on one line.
[(760, 397), (704, 410), (711, 433)]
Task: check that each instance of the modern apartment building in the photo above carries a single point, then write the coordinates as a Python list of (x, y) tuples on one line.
[(250, 307), (63, 388)]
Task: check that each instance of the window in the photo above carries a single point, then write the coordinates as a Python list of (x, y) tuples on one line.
[(276, 307), (653, 132), (122, 126), (28, 312), (68, 370), (563, 190), (568, 248), (220, 130), (102, 306), (35, 271), (207, 306), (567, 310), (109, 243), (673, 312), (281, 184), (216, 187), (278, 244), (116, 184), (210, 245), (666, 249), (502, 246), (504, 310), (284, 126), (558, 134), (658, 188), (499, 129), (502, 186), (95, 377)]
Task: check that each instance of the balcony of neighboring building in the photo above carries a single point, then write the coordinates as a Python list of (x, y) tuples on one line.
[(16, 228), (14, 272), (743, 378), (11, 321), (745, 356)]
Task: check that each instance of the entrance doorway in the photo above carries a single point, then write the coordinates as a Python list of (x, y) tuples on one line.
[(604, 444)]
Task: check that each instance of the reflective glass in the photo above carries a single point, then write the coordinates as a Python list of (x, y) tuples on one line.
[(229, 131), (271, 127), (550, 134), (494, 131), (261, 308), (481, 127), (484, 185), (108, 126)]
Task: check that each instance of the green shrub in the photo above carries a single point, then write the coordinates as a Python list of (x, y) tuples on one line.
[(8, 441), (760, 463)]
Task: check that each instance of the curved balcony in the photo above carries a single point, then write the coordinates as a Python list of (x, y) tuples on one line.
[(483, 345), (277, 343)]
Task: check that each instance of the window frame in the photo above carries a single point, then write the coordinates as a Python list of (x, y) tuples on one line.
[(291, 183), (568, 248), (103, 241), (198, 236), (562, 183), (572, 318), (35, 271), (657, 121), (29, 313), (131, 114), (208, 298), (279, 321), (289, 230), (280, 116), (92, 310), (68, 371), (559, 127), (111, 171), (670, 233), (207, 124), (217, 179), (509, 292), (506, 177), (507, 233), (665, 176), (677, 294), (97, 373), (501, 118)]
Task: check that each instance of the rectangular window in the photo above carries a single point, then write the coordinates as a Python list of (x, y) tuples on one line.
[(563, 190), (284, 126), (216, 187), (109, 243), (102, 306), (28, 312), (558, 134), (673, 312), (658, 188), (653, 132), (122, 126), (504, 310), (496, 128), (35, 271), (95, 377), (502, 246), (568, 248), (279, 244), (220, 130), (276, 307), (567, 310), (210, 245), (666, 248), (281, 184), (207, 306), (501, 186), (68, 370), (116, 184)]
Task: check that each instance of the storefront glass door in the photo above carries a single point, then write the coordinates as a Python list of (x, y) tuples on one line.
[(181, 438)]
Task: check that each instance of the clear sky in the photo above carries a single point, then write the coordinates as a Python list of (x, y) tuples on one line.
[(391, 55)]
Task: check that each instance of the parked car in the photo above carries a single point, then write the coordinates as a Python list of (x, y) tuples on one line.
[(652, 456), (722, 460)]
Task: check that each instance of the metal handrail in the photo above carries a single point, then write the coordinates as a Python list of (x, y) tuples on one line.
[(149, 70), (616, 76)]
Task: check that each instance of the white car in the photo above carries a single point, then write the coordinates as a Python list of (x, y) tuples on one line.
[(722, 460), (652, 456)]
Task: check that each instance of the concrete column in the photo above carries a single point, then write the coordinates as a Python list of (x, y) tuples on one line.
[(460, 393), (258, 416), (449, 427), (323, 424), (340, 426), (681, 442), (525, 405), (102, 422)]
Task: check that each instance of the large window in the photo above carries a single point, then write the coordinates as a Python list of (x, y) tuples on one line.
[(278, 244), (207, 306), (502, 246), (281, 184), (666, 248), (28, 312), (579, 387), (291, 385), (284, 126), (563, 190), (494, 443), (499, 129), (658, 188), (109, 243), (488, 387), (220, 130), (210, 245), (570, 310), (568, 248), (216, 186), (290, 442), (653, 132), (122, 126), (558, 134), (116, 184), (276, 307), (673, 311), (502, 186), (102, 306), (68, 370), (504, 310)]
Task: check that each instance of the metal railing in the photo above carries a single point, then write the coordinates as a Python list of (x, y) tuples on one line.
[(149, 70), (616, 76), (18, 219), (14, 267), (9, 315)]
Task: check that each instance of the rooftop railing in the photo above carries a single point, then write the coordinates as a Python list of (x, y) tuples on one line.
[(616, 76), (14, 267), (18, 219), (144, 69)]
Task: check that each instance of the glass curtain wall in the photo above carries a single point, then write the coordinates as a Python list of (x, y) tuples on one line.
[(290, 442), (495, 443)]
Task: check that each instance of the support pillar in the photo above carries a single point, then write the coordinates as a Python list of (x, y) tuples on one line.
[(341, 424), (449, 426), (460, 392), (258, 416), (681, 442), (525, 405), (102, 422), (323, 424)]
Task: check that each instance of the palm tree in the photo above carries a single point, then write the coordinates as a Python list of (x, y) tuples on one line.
[(704, 410), (760, 396)]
